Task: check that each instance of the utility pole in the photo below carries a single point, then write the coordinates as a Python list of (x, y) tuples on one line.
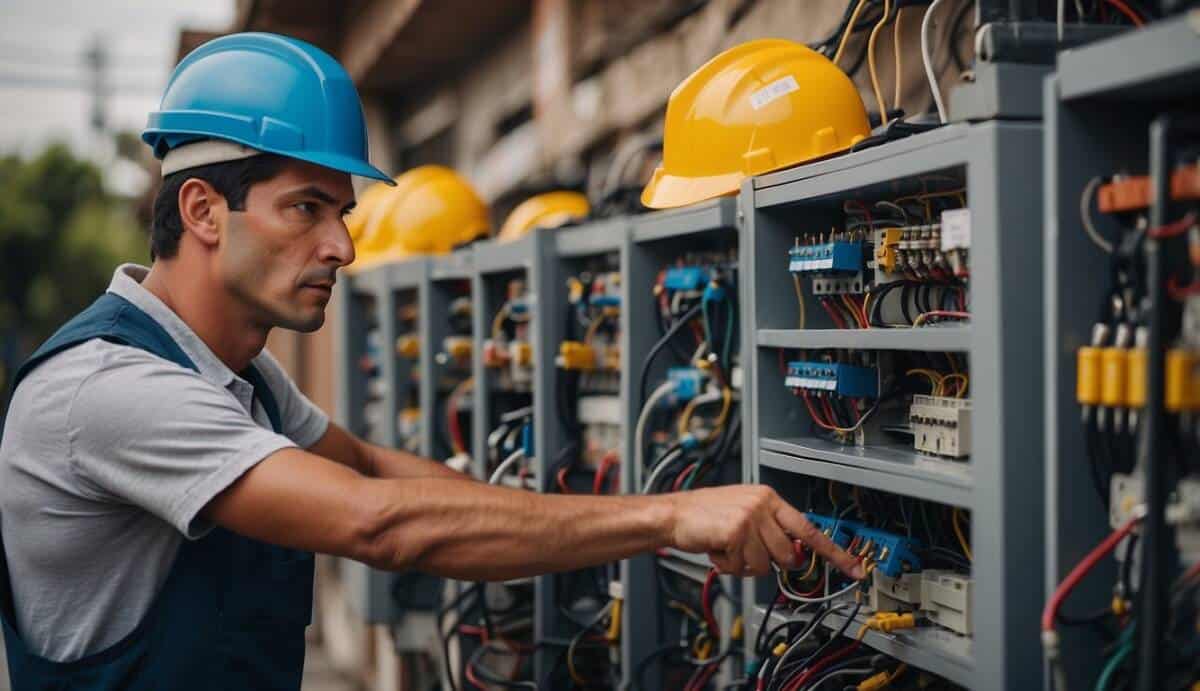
[(97, 61)]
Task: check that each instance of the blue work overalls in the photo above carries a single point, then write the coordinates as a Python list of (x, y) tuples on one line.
[(232, 612)]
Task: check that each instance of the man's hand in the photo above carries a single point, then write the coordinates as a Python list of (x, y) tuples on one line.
[(744, 528)]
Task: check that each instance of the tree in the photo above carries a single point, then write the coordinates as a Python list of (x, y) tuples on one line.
[(61, 236)]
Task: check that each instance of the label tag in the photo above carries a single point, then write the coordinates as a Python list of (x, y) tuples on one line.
[(956, 229), (780, 87)]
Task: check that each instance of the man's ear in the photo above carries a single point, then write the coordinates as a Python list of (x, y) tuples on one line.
[(202, 210)]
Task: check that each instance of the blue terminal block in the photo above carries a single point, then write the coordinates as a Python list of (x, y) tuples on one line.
[(893, 554), (518, 305), (605, 300), (852, 381), (840, 531), (688, 381), (686, 278), (826, 258)]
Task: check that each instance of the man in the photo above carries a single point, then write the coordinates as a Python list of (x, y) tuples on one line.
[(163, 484)]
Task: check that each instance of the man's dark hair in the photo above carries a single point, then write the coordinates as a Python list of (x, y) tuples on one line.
[(231, 179)]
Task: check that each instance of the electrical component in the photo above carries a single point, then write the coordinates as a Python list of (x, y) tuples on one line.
[(853, 381), (841, 532), (891, 594), (835, 257), (941, 425), (1133, 193), (946, 599), (688, 382), (685, 278), (408, 347), (458, 348), (576, 356), (1182, 380), (893, 554)]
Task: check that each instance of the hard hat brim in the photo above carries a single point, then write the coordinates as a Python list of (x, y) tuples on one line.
[(669, 191)]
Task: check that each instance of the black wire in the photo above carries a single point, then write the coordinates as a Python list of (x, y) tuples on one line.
[(487, 675), (639, 673), (442, 611), (676, 327)]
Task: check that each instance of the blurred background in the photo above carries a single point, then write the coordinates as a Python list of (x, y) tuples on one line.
[(520, 96)]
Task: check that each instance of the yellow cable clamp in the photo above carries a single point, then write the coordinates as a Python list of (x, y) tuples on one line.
[(1113, 377)]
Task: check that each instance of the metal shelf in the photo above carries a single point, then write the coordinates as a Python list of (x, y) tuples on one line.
[(693, 566), (1160, 61), (933, 649), (927, 338), (699, 218), (897, 469), (598, 237)]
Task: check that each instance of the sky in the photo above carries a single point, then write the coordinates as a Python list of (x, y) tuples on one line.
[(44, 92)]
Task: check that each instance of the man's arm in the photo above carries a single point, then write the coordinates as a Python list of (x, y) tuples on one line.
[(375, 461), (473, 531)]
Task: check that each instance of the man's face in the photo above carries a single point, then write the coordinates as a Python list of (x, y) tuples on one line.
[(281, 254)]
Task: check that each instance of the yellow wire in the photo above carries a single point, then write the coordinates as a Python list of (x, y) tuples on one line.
[(691, 613), (799, 298), (887, 9), (897, 34), (498, 321), (595, 326), (958, 531), (958, 376), (832, 499), (853, 311), (837, 56), (935, 378), (614, 624)]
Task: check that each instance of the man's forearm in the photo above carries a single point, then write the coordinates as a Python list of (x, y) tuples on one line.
[(392, 463), (474, 531)]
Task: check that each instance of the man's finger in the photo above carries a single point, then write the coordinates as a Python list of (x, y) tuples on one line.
[(755, 552), (725, 564), (778, 544), (795, 524)]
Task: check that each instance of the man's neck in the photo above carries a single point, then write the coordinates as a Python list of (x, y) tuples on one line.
[(216, 319)]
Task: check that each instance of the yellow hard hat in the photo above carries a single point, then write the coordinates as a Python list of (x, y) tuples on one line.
[(549, 210), (356, 222), (431, 210), (757, 107)]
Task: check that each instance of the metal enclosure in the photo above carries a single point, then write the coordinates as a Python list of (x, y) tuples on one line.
[(1097, 124), (1000, 482), (656, 239)]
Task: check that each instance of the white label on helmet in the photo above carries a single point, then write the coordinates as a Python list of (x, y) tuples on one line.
[(772, 91)]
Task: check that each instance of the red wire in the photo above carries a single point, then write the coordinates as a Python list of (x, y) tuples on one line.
[(829, 411), (1171, 229), (561, 478), (474, 679), (683, 476), (820, 665), (452, 422), (948, 314), (706, 602), (1081, 569), (606, 464), (1125, 10), (837, 319), (812, 412)]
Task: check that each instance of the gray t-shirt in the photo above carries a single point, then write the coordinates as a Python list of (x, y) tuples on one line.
[(108, 455)]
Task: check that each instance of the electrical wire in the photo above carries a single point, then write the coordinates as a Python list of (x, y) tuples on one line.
[(639, 435), (1127, 11), (897, 34), (676, 327), (792, 595), (799, 300), (927, 58), (1085, 215), (883, 115), (513, 458), (837, 56), (958, 532)]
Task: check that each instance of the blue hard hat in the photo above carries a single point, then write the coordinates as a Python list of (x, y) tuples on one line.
[(272, 93)]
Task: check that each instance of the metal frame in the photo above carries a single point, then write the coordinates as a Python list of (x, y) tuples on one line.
[(1000, 160), (653, 240), (1097, 123)]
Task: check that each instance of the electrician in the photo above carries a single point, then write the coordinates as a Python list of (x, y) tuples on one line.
[(164, 485)]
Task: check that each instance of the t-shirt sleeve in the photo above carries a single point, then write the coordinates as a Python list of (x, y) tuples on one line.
[(303, 422), (158, 436)]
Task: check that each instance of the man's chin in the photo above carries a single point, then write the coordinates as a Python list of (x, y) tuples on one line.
[(303, 324)]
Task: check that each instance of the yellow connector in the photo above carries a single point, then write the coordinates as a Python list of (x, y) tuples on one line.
[(738, 629), (614, 622), (458, 347), (1120, 606), (1087, 376), (521, 353), (1113, 377), (574, 290), (1135, 377), (576, 356), (882, 680), (779, 649), (1182, 380), (408, 347), (891, 621), (885, 252), (410, 415)]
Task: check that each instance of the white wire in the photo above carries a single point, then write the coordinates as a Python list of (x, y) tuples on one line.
[(1085, 215), (639, 452), (836, 609), (503, 468), (1061, 18), (927, 58), (787, 590), (659, 470)]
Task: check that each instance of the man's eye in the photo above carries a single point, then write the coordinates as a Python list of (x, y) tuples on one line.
[(307, 208)]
